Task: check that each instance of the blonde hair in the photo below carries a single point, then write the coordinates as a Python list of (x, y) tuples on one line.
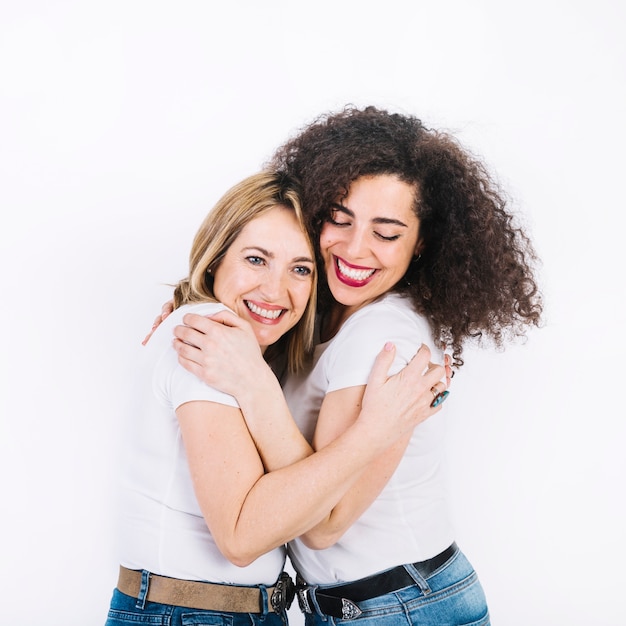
[(252, 197)]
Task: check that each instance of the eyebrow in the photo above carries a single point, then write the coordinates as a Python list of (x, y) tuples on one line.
[(267, 253), (376, 220)]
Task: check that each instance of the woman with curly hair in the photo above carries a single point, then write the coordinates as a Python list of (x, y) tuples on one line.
[(415, 244)]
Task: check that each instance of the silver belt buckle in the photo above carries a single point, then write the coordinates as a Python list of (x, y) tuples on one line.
[(303, 600), (349, 610), (282, 597)]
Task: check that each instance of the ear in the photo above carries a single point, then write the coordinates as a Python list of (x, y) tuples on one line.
[(419, 248)]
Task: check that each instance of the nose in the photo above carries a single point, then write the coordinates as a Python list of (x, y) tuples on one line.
[(356, 244), (274, 285)]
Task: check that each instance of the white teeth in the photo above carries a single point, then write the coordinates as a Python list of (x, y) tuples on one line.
[(352, 273), (270, 315)]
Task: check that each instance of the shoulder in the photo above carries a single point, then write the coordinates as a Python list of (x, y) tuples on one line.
[(172, 381), (176, 317), (392, 316), (201, 308), (351, 353)]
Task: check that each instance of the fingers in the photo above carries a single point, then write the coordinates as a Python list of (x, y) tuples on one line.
[(440, 393), (189, 336), (421, 359), (203, 324), (147, 337), (187, 352), (157, 320), (228, 318), (190, 365), (447, 363), (199, 323), (383, 362), (438, 388), (166, 309), (432, 376)]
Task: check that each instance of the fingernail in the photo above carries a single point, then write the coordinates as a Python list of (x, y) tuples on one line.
[(389, 346)]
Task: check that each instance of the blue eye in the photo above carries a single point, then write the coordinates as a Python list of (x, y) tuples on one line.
[(302, 270), (255, 260)]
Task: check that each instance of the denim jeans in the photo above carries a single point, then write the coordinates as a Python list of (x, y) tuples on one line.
[(124, 611), (451, 596)]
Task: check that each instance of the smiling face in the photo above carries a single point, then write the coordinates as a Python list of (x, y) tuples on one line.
[(369, 240), (266, 274)]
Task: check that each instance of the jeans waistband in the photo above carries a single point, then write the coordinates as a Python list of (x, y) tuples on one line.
[(340, 600)]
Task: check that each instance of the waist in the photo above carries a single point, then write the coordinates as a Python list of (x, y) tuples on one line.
[(341, 600), (204, 595), (366, 549), (181, 546)]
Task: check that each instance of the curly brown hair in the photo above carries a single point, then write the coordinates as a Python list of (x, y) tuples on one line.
[(475, 278)]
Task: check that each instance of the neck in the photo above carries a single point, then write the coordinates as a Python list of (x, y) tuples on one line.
[(333, 320)]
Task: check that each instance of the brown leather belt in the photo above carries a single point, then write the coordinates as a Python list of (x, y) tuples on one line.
[(195, 595)]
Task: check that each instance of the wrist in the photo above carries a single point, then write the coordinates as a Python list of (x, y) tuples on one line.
[(251, 392), (373, 434)]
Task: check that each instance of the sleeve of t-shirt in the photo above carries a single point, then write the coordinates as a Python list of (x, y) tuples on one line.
[(363, 336), (185, 387), (173, 383)]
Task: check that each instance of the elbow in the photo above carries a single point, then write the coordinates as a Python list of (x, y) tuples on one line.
[(238, 555), (320, 539), (240, 558)]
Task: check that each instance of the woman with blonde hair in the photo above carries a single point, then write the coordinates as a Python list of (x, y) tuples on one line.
[(200, 536)]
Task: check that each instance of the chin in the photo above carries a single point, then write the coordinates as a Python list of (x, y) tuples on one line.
[(264, 339)]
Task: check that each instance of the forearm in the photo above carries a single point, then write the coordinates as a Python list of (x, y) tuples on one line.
[(248, 511), (270, 423), (302, 494), (370, 483)]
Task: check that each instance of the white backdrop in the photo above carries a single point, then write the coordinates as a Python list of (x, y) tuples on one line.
[(121, 123)]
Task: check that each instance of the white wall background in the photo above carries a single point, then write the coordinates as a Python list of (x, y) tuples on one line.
[(120, 125)]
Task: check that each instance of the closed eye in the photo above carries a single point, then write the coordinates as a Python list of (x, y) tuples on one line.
[(338, 211), (384, 238)]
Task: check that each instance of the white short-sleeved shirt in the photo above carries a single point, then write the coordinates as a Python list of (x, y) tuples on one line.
[(409, 520), (162, 528)]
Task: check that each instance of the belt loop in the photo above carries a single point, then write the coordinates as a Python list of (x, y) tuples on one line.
[(264, 600), (143, 590), (312, 591), (420, 581)]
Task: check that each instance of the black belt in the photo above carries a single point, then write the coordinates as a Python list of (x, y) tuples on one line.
[(339, 601)]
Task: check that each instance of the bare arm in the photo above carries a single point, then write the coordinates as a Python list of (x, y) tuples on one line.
[(203, 352), (223, 352), (238, 499), (339, 410)]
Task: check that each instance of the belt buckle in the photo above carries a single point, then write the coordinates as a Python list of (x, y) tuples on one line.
[(349, 610), (283, 594), (303, 600)]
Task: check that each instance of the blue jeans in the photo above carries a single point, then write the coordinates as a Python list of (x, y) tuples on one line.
[(451, 596), (124, 611)]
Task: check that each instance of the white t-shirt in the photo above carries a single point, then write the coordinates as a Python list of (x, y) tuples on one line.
[(162, 528), (409, 520)]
